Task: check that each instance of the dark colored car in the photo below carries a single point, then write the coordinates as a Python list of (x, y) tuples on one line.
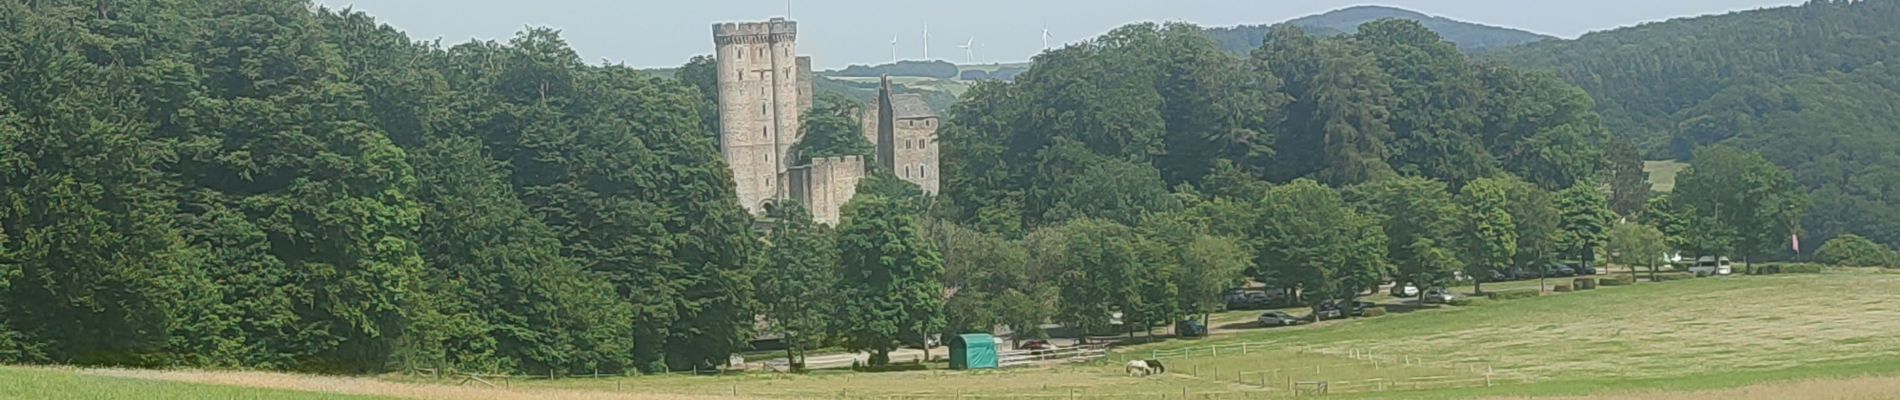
[(1438, 296), (1513, 274), (1037, 346), (1585, 270), (1326, 310), (1332, 309), (1278, 318), (1190, 328), (1561, 271), (1358, 308), (1248, 300)]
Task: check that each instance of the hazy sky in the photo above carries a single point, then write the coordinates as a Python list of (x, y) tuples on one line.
[(841, 32)]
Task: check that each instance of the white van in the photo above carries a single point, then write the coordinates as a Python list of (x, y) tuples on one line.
[(1709, 265)]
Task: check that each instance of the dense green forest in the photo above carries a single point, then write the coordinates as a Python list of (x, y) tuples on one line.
[(257, 184), (1812, 87), (1105, 129), (1469, 37)]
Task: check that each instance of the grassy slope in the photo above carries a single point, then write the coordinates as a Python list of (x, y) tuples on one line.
[(1662, 174), (1686, 335), (16, 383)]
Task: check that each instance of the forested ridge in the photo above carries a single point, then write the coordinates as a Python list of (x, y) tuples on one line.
[(1812, 87), (1469, 37), (267, 184)]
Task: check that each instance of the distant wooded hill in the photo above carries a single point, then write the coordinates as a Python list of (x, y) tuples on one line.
[(1470, 37), (1814, 88)]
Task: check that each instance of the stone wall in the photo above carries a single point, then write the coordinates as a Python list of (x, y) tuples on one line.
[(826, 185), (759, 105)]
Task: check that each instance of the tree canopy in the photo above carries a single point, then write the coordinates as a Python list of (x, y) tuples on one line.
[(264, 184)]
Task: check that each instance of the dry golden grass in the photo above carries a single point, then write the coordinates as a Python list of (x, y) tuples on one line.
[(1883, 388), (372, 386), (1646, 331)]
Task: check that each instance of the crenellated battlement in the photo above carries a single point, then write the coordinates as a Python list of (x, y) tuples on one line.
[(776, 30), (838, 160)]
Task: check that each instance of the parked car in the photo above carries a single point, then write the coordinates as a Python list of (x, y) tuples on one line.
[(1248, 300), (1190, 328), (1278, 318), (1513, 274), (1438, 296), (1358, 308), (1326, 310), (1560, 271), (1406, 290), (1586, 270), (1710, 265)]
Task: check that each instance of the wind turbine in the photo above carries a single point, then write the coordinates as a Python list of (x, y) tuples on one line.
[(1045, 38), (926, 40), (893, 49), (969, 50)]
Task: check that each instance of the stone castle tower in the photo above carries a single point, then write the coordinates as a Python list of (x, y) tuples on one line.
[(904, 129), (759, 105), (765, 88)]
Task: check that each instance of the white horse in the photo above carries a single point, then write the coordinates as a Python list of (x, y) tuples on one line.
[(1139, 368)]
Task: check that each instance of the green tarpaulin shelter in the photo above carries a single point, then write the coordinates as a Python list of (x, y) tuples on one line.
[(972, 351)]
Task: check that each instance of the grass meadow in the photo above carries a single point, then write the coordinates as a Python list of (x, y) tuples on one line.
[(1825, 336)]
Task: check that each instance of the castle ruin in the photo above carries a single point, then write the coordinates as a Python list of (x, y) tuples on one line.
[(765, 88)]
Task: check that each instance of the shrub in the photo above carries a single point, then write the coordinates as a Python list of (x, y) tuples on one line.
[(1802, 268), (1584, 283), (1672, 277), (1562, 287), (1374, 312), (1854, 251), (1619, 280), (1513, 294), (1465, 301)]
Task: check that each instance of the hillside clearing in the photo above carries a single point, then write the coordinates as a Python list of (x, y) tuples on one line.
[(1662, 174)]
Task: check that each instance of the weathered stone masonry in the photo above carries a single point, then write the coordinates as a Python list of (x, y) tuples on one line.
[(765, 88)]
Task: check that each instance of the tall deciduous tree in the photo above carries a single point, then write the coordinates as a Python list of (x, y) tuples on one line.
[(889, 278), (1584, 221), (1637, 245), (797, 285), (1489, 234), (1420, 222), (1309, 237), (1751, 204)]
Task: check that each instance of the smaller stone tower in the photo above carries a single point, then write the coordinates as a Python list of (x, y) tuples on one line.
[(904, 128)]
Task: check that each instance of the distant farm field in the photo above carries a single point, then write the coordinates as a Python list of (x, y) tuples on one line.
[(1826, 336)]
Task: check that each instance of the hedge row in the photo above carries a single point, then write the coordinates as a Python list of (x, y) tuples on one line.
[(1772, 269), (1465, 301), (1374, 312), (1672, 277), (1513, 294), (1561, 287), (1584, 283), (1619, 280)]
